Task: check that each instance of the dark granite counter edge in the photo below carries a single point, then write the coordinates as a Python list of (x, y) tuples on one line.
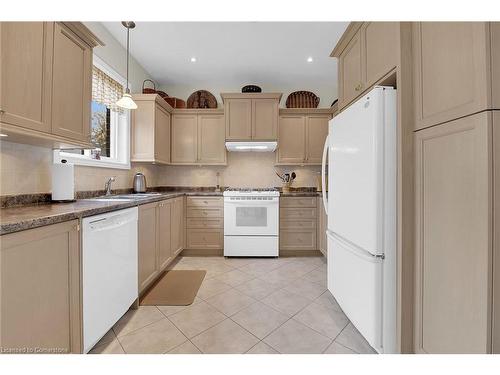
[(21, 225)]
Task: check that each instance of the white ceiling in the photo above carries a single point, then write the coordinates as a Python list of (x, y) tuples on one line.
[(232, 54)]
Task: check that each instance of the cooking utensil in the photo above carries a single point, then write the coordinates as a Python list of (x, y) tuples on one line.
[(139, 183)]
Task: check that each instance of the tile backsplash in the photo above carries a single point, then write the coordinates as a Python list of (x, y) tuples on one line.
[(26, 169)]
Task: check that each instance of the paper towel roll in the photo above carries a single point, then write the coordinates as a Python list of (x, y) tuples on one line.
[(63, 181)]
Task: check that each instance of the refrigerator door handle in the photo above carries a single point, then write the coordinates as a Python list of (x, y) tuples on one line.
[(323, 174), (355, 249)]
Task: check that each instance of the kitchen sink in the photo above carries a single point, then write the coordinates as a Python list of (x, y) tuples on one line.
[(125, 197)]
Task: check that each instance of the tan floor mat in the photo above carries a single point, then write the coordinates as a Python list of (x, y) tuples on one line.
[(174, 288)]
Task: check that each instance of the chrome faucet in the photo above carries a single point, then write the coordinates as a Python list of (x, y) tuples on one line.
[(107, 185)]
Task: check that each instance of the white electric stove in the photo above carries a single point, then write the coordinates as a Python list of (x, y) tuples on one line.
[(251, 222)]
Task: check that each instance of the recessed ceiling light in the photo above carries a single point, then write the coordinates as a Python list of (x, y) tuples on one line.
[(193, 59), (309, 59)]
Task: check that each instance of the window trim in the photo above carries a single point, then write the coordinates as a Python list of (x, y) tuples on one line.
[(105, 162)]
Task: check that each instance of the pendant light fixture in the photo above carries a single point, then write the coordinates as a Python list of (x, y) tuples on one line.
[(126, 101)]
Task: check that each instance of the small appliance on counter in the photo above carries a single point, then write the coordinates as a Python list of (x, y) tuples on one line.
[(63, 182), (140, 183)]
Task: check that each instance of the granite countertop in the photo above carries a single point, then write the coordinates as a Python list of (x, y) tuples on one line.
[(15, 219), (18, 218)]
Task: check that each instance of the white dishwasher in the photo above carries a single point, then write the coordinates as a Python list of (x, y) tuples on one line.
[(110, 271)]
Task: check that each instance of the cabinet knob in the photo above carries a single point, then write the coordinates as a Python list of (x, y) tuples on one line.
[(2, 111), (358, 87)]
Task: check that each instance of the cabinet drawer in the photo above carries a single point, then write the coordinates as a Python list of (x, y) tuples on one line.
[(205, 212), (298, 224), (298, 239), (204, 238), (297, 213), (196, 223), (298, 202), (201, 202)]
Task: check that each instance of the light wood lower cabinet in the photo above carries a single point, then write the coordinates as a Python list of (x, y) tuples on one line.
[(204, 223), (177, 225), (161, 237), (148, 244), (165, 226), (40, 290), (302, 135), (454, 236), (298, 224)]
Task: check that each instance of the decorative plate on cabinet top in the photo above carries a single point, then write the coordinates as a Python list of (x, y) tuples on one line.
[(302, 99), (251, 88), (201, 99)]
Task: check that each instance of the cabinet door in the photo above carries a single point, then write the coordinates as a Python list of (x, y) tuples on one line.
[(296, 239), (164, 233), (211, 139), (184, 139), (292, 145), (40, 289), (162, 135), (496, 233), (317, 130), (238, 119), (451, 74), (26, 71), (142, 133), (453, 237), (264, 119), (322, 227), (72, 85), (177, 225), (148, 244), (350, 72), (381, 41)]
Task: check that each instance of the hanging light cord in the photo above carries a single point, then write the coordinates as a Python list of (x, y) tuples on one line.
[(128, 48)]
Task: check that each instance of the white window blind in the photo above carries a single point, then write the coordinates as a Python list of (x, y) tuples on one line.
[(106, 90)]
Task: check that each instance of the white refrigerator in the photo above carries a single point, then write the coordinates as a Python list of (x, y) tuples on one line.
[(361, 208)]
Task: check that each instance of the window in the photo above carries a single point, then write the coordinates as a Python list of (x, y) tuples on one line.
[(110, 125)]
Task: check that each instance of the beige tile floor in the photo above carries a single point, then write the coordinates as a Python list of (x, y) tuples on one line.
[(244, 305)]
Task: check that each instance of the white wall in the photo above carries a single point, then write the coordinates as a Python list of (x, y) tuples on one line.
[(113, 54)]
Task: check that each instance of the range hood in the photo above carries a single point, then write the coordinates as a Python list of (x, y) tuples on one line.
[(248, 146)]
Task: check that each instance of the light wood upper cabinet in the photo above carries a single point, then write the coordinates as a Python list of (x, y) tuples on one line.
[(165, 253), (316, 132), (251, 116), (26, 71), (184, 138), (211, 136), (72, 85), (452, 70), (302, 135), (198, 137), (351, 77), (264, 119), (40, 289), (162, 135), (45, 90), (150, 130), (238, 119), (380, 49), (292, 132), (367, 52), (453, 236), (148, 244)]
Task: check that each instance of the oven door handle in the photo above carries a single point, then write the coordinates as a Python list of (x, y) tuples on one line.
[(252, 202)]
